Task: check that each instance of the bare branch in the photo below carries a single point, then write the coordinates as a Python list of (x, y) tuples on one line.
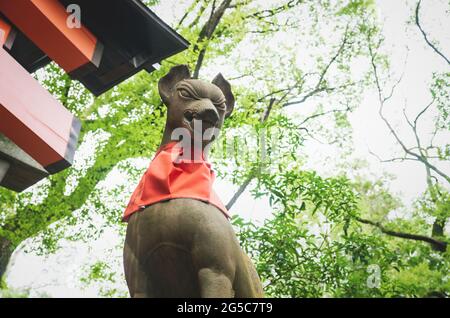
[(420, 157), (383, 99), (423, 152), (240, 191), (434, 168), (396, 159), (433, 135), (407, 119), (397, 82), (425, 35), (422, 112)]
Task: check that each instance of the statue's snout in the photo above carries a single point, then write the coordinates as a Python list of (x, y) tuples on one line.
[(205, 112)]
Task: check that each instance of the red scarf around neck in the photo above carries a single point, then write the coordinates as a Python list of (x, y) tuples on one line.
[(167, 178)]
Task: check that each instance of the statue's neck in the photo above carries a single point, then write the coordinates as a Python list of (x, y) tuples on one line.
[(167, 135), (167, 138)]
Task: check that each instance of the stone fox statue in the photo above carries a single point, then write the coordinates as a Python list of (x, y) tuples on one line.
[(179, 240)]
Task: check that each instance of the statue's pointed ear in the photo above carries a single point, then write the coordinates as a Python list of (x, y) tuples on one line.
[(167, 83), (225, 87)]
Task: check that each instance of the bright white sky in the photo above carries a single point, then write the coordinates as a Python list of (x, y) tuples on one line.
[(58, 275)]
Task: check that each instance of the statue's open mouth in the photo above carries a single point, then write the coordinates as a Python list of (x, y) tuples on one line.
[(195, 123)]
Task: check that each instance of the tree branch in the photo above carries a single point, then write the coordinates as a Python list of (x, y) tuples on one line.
[(240, 191), (425, 35), (268, 110), (422, 112), (208, 30), (287, 91), (397, 159), (318, 87), (192, 6), (436, 244), (251, 176), (323, 114), (267, 13), (382, 99)]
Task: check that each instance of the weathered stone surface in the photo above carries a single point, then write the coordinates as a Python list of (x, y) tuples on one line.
[(186, 247)]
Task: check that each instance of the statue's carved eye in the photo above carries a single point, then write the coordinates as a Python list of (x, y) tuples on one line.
[(184, 93)]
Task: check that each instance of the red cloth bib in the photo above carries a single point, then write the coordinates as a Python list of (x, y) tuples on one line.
[(168, 178)]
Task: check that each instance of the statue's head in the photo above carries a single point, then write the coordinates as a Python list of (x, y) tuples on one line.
[(196, 107)]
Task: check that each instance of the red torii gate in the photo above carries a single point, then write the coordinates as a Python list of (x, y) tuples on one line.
[(38, 136)]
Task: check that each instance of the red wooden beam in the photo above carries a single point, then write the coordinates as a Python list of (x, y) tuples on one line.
[(45, 23), (33, 119), (5, 29)]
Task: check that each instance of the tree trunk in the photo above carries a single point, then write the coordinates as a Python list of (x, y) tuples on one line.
[(437, 230), (6, 250)]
